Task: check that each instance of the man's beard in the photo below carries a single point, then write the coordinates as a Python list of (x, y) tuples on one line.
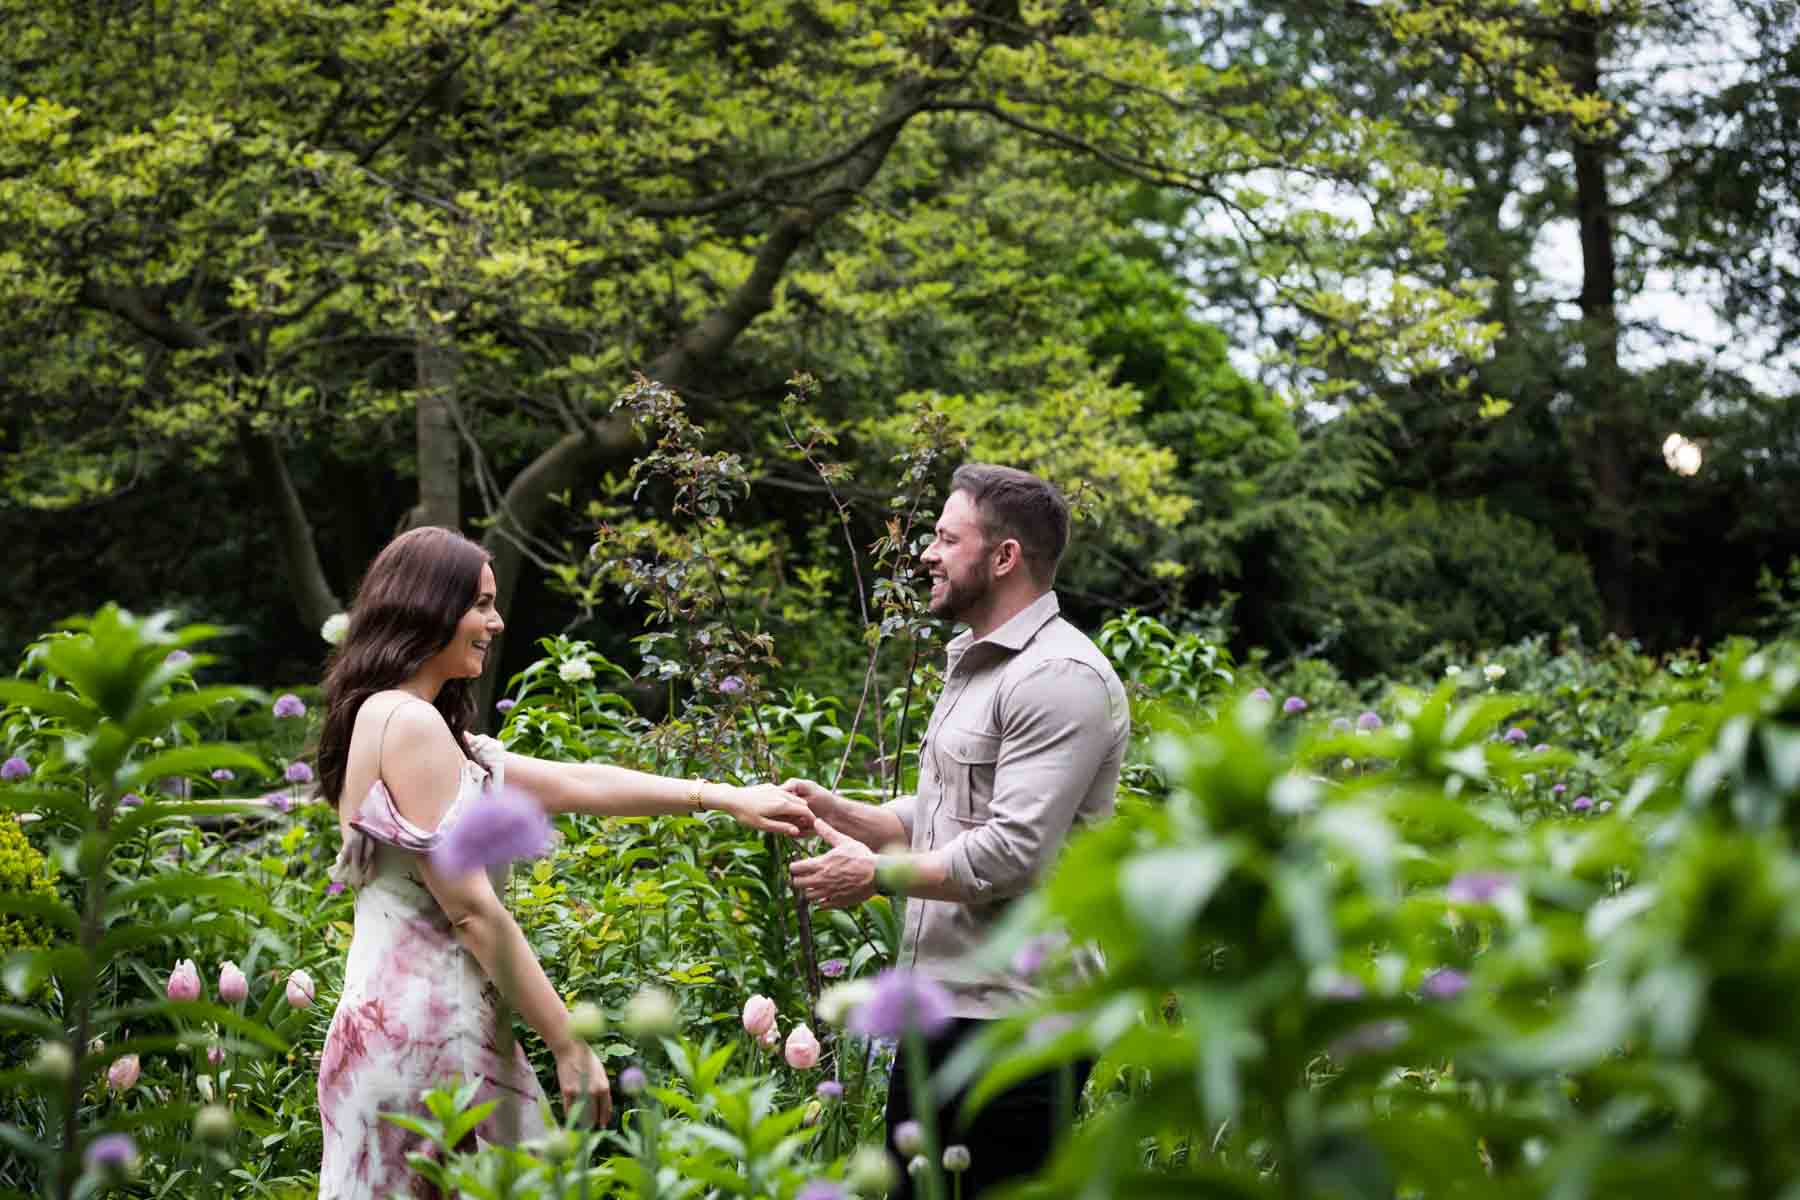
[(960, 599)]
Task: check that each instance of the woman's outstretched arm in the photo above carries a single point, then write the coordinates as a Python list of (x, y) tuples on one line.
[(600, 789)]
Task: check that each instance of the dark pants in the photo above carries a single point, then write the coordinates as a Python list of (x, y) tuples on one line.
[(1012, 1136)]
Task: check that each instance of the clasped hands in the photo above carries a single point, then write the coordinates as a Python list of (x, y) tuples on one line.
[(844, 875)]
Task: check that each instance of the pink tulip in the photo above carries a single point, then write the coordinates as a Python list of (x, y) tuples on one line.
[(771, 1038), (802, 1048), (299, 989), (215, 1055), (123, 1073), (759, 1015), (233, 987), (184, 981)]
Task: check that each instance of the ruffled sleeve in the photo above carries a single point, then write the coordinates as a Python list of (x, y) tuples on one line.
[(380, 821)]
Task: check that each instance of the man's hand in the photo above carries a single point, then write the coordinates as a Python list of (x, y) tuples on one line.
[(842, 876), (822, 802)]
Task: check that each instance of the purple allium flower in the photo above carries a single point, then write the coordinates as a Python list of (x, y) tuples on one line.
[(111, 1154), (1364, 1039), (502, 828), (1370, 719), (1344, 987), (224, 775), (177, 657), (1261, 693), (1558, 789), (731, 685), (822, 1189), (278, 801), (506, 704), (335, 888), (1445, 983), (1540, 747), (1292, 705), (632, 1081), (298, 772), (1340, 724), (1029, 959), (1581, 803), (130, 800), (901, 1001), (909, 1137), (1477, 887), (288, 705), (14, 768), (1515, 735), (831, 968), (831, 1089)]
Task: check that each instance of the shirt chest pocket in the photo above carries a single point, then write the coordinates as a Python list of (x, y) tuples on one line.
[(968, 758)]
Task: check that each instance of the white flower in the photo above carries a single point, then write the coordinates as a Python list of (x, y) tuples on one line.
[(1452, 671), (335, 627), (576, 670), (839, 1000), (1494, 672)]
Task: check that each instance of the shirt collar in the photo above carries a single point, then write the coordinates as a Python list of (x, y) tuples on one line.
[(1016, 632)]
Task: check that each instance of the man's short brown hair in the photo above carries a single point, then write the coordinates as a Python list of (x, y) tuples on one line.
[(1016, 504)]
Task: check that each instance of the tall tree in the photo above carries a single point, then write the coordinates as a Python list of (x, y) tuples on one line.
[(264, 223)]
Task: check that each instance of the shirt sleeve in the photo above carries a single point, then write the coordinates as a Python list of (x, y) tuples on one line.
[(1057, 731), (904, 807)]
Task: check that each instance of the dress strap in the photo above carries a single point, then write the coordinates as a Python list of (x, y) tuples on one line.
[(382, 740)]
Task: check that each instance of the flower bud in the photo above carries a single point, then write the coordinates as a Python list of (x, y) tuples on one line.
[(759, 1015), (112, 1156), (909, 1137), (586, 1021), (214, 1123), (233, 987), (870, 1171), (215, 1055), (956, 1159), (917, 1165), (802, 1049), (811, 1118), (123, 1073), (184, 981), (633, 1081), (53, 1060), (651, 1013), (300, 989)]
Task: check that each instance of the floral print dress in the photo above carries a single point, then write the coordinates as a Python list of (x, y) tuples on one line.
[(416, 1011)]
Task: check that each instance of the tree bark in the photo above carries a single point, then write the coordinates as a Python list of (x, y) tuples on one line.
[(1609, 428), (575, 456), (299, 553), (439, 442)]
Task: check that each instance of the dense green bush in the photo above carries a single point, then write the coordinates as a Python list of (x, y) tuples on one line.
[(1426, 571)]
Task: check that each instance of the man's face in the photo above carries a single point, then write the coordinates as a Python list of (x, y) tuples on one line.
[(961, 572)]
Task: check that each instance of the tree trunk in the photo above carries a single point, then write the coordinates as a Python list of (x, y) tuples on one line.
[(1609, 431), (439, 445), (583, 454), (313, 596)]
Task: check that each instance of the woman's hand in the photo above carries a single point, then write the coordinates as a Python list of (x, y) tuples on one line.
[(768, 808), (579, 1076)]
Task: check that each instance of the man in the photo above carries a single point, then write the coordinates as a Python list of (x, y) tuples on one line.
[(1025, 741)]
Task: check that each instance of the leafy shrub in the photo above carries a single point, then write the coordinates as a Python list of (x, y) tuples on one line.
[(23, 872), (1428, 571)]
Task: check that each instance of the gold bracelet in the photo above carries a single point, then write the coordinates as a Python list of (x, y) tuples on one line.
[(694, 795)]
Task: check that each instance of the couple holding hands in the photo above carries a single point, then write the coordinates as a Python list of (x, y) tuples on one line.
[(1025, 742)]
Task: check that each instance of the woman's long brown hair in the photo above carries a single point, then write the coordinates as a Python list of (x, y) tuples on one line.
[(411, 599)]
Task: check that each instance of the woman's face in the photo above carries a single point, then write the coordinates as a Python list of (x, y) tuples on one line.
[(467, 652)]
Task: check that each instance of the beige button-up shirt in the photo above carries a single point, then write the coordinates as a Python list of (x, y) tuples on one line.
[(1025, 741)]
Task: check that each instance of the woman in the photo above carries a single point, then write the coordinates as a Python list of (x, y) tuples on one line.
[(431, 953)]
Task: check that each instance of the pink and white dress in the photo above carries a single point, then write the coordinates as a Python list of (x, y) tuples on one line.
[(416, 1011)]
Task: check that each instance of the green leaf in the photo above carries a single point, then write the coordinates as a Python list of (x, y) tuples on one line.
[(1164, 890)]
